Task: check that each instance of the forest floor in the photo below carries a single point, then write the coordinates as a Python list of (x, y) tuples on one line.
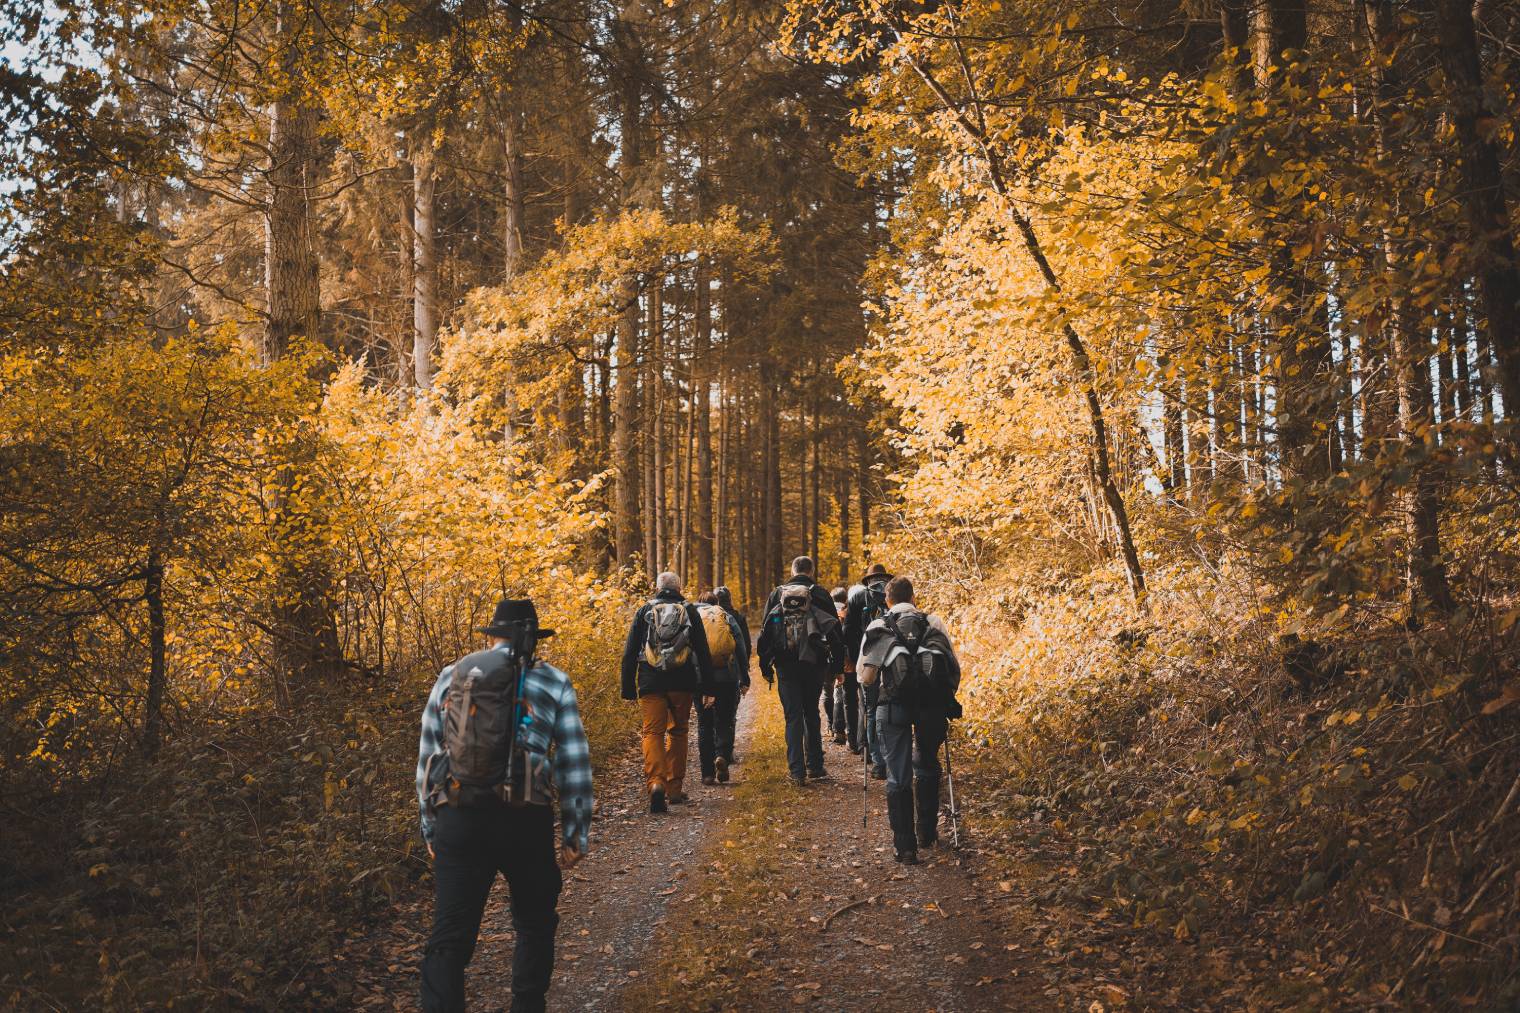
[(758, 894)]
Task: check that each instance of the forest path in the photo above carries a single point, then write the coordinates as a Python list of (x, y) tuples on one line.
[(755, 894), (611, 906)]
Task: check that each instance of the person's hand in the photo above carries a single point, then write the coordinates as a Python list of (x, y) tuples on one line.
[(431, 854), (568, 857), (708, 701)]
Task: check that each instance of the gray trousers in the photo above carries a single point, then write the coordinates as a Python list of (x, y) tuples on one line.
[(911, 738)]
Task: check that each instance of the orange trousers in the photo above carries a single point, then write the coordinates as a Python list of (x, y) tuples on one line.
[(666, 717)]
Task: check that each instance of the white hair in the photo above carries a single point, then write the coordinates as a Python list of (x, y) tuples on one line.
[(668, 581)]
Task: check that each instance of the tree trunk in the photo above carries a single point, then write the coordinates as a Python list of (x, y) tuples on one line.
[(513, 202), (1482, 192), (153, 707), (626, 519), (424, 260), (1409, 346), (702, 422), (304, 628)]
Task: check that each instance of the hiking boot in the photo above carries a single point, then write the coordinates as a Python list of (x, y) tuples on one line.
[(879, 772), (678, 797), (839, 738), (709, 780), (821, 777), (927, 840), (906, 856), (657, 800), (797, 782), (855, 748), (722, 766)]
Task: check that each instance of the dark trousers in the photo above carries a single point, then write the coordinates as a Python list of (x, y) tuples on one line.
[(715, 729), (471, 846), (911, 738), (799, 703), (847, 718)]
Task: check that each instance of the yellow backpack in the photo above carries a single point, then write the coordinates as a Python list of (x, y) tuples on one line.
[(720, 637)]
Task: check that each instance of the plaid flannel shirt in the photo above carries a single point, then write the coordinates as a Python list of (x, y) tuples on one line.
[(553, 719)]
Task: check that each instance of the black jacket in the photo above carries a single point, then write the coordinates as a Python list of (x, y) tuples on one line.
[(829, 621), (640, 679), (855, 618)]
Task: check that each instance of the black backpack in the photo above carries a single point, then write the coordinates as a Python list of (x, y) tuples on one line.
[(874, 603), (918, 675)]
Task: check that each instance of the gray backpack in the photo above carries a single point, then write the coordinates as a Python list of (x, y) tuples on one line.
[(480, 731), (668, 645)]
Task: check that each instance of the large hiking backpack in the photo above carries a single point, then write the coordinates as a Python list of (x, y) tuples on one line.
[(480, 730), (916, 675), (668, 645), (720, 636), (800, 638)]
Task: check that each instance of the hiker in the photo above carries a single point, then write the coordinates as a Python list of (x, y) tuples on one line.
[(485, 777), (665, 663), (726, 602), (907, 654), (728, 645), (867, 603), (838, 697), (800, 642)]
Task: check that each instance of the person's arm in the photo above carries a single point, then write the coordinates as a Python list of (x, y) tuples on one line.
[(867, 674), (631, 650), (430, 757), (572, 771), (767, 650), (854, 611), (837, 653), (740, 660)]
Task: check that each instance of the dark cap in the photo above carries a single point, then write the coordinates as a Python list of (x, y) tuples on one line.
[(875, 573), (512, 612)]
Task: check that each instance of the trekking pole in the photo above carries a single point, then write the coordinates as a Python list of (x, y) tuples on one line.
[(865, 782), (955, 815)]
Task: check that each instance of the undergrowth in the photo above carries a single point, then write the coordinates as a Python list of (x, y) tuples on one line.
[(1329, 802)]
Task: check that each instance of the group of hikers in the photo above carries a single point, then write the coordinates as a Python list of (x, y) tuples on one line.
[(502, 736)]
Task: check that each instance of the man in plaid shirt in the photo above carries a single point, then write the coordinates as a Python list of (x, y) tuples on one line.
[(472, 838)]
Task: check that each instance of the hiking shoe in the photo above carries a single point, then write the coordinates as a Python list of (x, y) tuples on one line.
[(797, 782), (839, 738), (657, 801), (928, 840), (677, 797), (709, 781), (906, 857), (879, 772), (821, 777), (722, 766)]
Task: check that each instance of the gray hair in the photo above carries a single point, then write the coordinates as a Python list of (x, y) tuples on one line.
[(668, 581)]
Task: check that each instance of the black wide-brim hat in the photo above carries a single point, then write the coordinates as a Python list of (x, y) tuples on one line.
[(511, 613), (876, 572)]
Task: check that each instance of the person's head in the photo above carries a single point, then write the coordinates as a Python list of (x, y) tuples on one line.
[(514, 617), (710, 598), (724, 595), (667, 582), (899, 591), (802, 566), (841, 595)]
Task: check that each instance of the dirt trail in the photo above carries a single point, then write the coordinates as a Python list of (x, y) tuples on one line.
[(755, 894), (611, 906)]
